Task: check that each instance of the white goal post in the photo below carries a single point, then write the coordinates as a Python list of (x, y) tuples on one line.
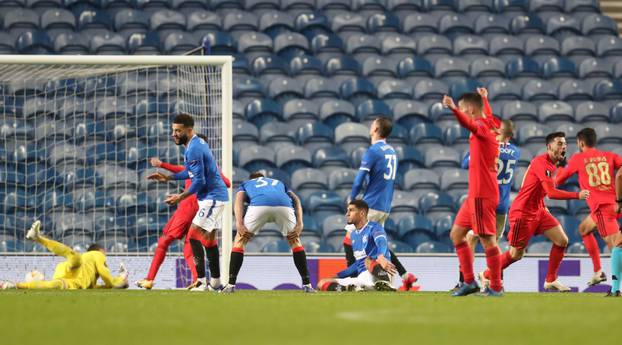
[(78, 131)]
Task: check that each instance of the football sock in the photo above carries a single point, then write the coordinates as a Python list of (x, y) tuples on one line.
[(591, 246), (493, 260), (41, 285), (379, 273), (555, 259), (61, 250), (300, 260), (349, 254), (199, 257), (237, 257), (158, 256), (211, 251), (398, 265), (189, 257), (465, 256), (506, 260), (461, 276), (616, 266)]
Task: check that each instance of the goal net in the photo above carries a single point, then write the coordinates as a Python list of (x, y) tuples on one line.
[(77, 136)]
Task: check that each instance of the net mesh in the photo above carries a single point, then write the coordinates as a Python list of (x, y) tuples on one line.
[(76, 144)]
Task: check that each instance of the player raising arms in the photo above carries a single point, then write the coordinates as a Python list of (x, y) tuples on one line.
[(78, 271), (177, 227), (478, 211), (379, 164), (211, 192), (529, 216), (270, 201), (596, 169), (372, 267)]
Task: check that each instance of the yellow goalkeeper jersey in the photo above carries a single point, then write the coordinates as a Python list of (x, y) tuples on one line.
[(92, 266)]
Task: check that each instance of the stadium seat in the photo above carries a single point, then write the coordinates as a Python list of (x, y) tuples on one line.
[(283, 89), (94, 19), (434, 44), (333, 226), (432, 202), (504, 90), (409, 113), (276, 246), (261, 5), (453, 25), (277, 134), (376, 66), (335, 112), (244, 134), (34, 42), (290, 45), (420, 23), (398, 45), (561, 25), (237, 21), (331, 158), (311, 24), (20, 19), (71, 43), (451, 67), (609, 46), (454, 179), (578, 46), (341, 181), (248, 87), (556, 67), (543, 247), (255, 158), (539, 90), (421, 179), (487, 67), (383, 22), (414, 227), (255, 44), (306, 65), (220, 43), (598, 24), (270, 65), (426, 133), (595, 68), (470, 45), (292, 158), (327, 44), (523, 67), (519, 110), (262, 111), (608, 90), (616, 113), (505, 45), (342, 66), (371, 109), (532, 133), (575, 90), (306, 181), (433, 247), (581, 6), (203, 21), (490, 23), (300, 111), (394, 89), (131, 21), (430, 90), (325, 203), (108, 44), (528, 24), (144, 43), (445, 157), (273, 23), (591, 112), (460, 86), (414, 67), (348, 22), (607, 133), (357, 90)]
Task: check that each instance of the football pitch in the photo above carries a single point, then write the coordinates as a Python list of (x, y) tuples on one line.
[(291, 317)]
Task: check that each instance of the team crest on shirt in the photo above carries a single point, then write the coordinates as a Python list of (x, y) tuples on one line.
[(364, 240)]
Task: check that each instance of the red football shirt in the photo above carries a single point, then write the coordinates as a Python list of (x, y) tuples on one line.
[(538, 183), (596, 171), (484, 150), (189, 203)]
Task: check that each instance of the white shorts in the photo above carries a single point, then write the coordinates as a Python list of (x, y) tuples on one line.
[(258, 216), (377, 216), (209, 215), (366, 281)]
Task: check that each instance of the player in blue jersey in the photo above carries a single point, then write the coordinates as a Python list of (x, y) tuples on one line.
[(379, 169), (201, 168), (372, 267), (269, 201)]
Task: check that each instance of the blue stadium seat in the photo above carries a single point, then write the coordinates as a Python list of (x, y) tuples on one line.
[(377, 66), (292, 5), (430, 90), (306, 181), (439, 5), (432, 202), (93, 19), (461, 86), (333, 226), (318, 87), (276, 246), (504, 90), (357, 89), (371, 109), (351, 135), (108, 44), (220, 43), (403, 5), (283, 89), (410, 113), (416, 179), (240, 65), (529, 24), (539, 90), (179, 43), (426, 133), (270, 65), (306, 65), (363, 44), (34, 42), (595, 68), (415, 229), (490, 23), (7, 43), (398, 44), (456, 134), (451, 67), (333, 5), (475, 5), (609, 46), (445, 157), (240, 21), (562, 25), (348, 22), (575, 90), (523, 67), (578, 46), (331, 158), (335, 112), (57, 20), (253, 158), (581, 6), (414, 67), (244, 134), (504, 45), (453, 25), (289, 45), (409, 158), (394, 89), (20, 19), (433, 247), (616, 113), (203, 21), (144, 43), (302, 110), (368, 5), (383, 22), (292, 158), (512, 6), (532, 133), (248, 87), (598, 24), (557, 67), (470, 45), (239, 175), (434, 44), (541, 45), (487, 67), (342, 65), (327, 43), (273, 23), (277, 134), (608, 90), (255, 43), (420, 23), (262, 111), (546, 5), (132, 21), (607, 133), (72, 43), (189, 6), (311, 24), (555, 111), (592, 111)]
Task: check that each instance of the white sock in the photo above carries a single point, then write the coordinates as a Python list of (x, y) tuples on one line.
[(203, 280), (214, 282)]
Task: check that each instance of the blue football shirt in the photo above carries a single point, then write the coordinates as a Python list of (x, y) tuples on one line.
[(380, 160), (264, 191)]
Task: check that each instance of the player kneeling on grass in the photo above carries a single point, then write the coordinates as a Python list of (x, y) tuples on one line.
[(373, 268), (79, 271), (270, 201)]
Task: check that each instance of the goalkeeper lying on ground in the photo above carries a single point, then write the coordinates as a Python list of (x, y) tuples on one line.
[(79, 271)]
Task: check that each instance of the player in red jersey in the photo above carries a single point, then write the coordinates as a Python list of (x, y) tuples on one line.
[(596, 170), (176, 228), (478, 211), (529, 216)]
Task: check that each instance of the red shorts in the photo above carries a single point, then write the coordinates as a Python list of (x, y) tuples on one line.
[(178, 225), (524, 226), (606, 219), (479, 215)]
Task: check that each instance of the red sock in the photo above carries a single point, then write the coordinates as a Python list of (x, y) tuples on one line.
[(505, 261), (555, 259), (493, 260), (158, 256), (189, 257), (589, 241), (465, 256)]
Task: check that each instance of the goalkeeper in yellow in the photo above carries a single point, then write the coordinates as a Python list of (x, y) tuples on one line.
[(79, 271)]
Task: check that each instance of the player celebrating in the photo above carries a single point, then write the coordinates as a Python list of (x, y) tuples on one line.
[(478, 211), (379, 164), (211, 192), (372, 267), (176, 228), (79, 271), (595, 169), (269, 201), (529, 216)]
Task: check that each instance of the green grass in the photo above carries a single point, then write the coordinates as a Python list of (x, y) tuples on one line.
[(179, 317)]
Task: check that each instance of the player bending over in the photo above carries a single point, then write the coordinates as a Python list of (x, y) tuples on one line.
[(211, 192), (508, 157), (529, 216), (177, 227), (478, 211), (270, 201), (79, 271), (379, 165), (372, 268), (596, 169)]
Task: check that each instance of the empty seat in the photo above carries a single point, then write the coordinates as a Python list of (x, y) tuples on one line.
[(442, 158), (523, 67), (334, 226), (556, 67), (357, 89), (594, 68), (561, 25), (342, 65), (539, 90), (591, 111), (575, 90), (306, 65), (200, 20), (434, 44), (277, 134), (270, 65), (426, 133), (92, 19), (351, 135), (502, 45), (555, 111), (284, 89), (489, 23), (414, 67), (34, 42), (529, 24), (503, 90), (410, 113), (244, 134), (451, 67), (289, 45), (430, 90), (609, 46), (71, 43), (394, 89), (240, 21), (179, 43), (341, 181), (421, 179), (598, 24), (261, 111), (308, 180), (330, 158), (327, 43), (255, 43), (300, 109), (578, 46), (432, 202), (371, 109), (108, 44), (420, 22), (487, 67), (452, 24), (255, 158), (608, 90), (220, 43), (348, 22), (21, 19), (336, 112)]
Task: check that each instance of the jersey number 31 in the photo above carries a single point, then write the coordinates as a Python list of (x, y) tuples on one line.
[(392, 165)]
